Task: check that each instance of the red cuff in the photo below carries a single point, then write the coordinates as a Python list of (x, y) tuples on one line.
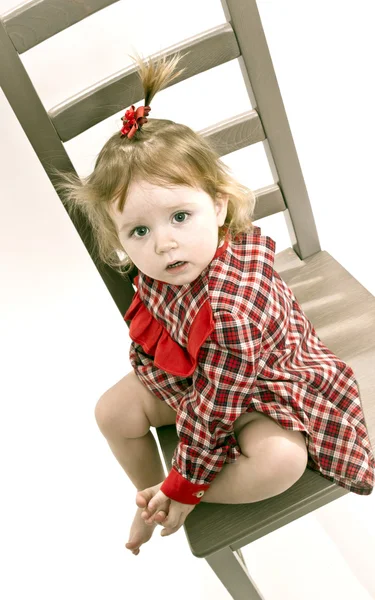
[(180, 489)]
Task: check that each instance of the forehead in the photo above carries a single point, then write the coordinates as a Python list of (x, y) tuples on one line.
[(141, 197), (149, 193)]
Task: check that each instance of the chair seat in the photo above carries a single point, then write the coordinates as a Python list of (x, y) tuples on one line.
[(343, 314)]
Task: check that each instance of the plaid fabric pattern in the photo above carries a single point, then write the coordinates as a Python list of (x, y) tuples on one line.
[(263, 354)]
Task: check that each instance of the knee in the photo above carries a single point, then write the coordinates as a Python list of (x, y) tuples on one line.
[(104, 414), (117, 415), (108, 414)]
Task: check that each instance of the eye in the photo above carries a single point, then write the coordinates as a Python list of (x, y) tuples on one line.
[(142, 228), (181, 213), (137, 229)]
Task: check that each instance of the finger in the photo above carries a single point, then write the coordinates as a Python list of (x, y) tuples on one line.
[(156, 502), (170, 525), (148, 518), (143, 497), (154, 505), (148, 514), (167, 531), (158, 517), (161, 516)]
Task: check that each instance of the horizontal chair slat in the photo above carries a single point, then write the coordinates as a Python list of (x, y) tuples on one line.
[(235, 133), (36, 21), (269, 201), (91, 106)]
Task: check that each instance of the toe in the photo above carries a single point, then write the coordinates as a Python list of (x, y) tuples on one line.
[(134, 548)]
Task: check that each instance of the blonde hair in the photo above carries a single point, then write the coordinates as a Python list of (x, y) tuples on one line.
[(161, 152)]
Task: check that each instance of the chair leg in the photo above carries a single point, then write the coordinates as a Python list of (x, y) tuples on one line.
[(231, 569), (242, 560)]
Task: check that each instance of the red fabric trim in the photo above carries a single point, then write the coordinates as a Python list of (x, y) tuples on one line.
[(156, 341), (222, 248), (202, 326), (180, 489)]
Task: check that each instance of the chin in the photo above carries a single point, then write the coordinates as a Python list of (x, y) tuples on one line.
[(182, 279), (179, 279)]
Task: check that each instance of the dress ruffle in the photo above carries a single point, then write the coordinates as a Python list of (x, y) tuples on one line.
[(156, 341)]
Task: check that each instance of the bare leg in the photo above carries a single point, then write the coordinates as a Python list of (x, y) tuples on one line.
[(261, 474), (276, 459), (140, 459), (272, 460)]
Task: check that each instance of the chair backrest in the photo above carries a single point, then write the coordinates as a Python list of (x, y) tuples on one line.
[(241, 37)]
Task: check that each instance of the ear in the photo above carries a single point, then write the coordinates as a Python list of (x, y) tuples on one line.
[(221, 207)]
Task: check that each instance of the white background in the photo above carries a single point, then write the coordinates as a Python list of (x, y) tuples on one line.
[(66, 504)]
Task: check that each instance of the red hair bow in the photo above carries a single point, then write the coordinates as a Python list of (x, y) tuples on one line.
[(134, 119)]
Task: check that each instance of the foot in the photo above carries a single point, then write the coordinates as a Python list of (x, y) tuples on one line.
[(141, 530)]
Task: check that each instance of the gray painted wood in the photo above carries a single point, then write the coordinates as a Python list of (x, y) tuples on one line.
[(91, 106), (28, 108), (34, 22), (36, 124), (269, 201), (233, 573), (343, 314), (258, 69), (235, 133)]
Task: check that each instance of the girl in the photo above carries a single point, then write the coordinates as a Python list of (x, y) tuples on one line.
[(220, 345)]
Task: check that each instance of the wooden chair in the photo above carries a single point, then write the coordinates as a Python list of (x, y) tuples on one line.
[(215, 532)]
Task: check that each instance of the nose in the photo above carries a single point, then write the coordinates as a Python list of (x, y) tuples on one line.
[(164, 242)]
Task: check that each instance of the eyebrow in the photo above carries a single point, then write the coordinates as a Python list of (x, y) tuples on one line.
[(167, 209)]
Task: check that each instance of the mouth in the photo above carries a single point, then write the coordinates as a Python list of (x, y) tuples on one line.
[(177, 266)]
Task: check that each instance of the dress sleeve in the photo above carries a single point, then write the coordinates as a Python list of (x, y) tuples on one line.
[(226, 370)]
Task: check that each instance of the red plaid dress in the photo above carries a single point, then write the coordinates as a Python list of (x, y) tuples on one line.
[(236, 340)]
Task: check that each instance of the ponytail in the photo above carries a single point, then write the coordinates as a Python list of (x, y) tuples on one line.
[(157, 74)]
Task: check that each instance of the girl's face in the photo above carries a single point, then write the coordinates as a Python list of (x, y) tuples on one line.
[(159, 226)]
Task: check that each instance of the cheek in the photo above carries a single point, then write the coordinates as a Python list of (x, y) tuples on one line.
[(137, 252), (127, 247), (205, 224), (208, 232)]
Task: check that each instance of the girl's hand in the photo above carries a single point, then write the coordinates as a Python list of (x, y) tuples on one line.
[(176, 516)]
